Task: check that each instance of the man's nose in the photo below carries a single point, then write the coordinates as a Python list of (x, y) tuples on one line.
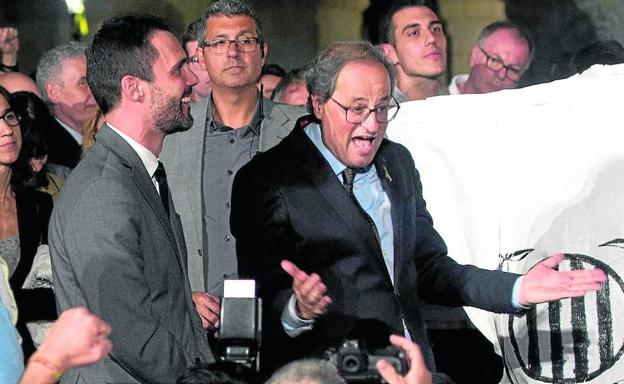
[(189, 76), (501, 73), (91, 100), (370, 123), (233, 50)]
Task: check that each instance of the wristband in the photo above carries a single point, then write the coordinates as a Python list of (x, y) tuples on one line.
[(10, 68), (41, 359)]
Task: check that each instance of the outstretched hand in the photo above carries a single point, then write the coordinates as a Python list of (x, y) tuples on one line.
[(309, 290), (544, 283)]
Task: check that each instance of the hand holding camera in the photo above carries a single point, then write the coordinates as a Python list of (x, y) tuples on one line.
[(418, 372)]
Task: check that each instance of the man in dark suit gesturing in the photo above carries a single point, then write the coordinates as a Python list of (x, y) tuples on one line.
[(345, 205), (116, 241)]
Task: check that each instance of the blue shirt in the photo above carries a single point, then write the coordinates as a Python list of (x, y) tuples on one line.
[(11, 358), (369, 193)]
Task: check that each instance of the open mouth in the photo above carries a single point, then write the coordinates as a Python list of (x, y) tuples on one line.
[(364, 143), (186, 97)]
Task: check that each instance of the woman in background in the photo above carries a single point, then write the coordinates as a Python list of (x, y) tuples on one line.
[(24, 217), (31, 165)]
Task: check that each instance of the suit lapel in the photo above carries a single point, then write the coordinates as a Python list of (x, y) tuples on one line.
[(387, 172), (279, 122), (114, 143), (193, 166)]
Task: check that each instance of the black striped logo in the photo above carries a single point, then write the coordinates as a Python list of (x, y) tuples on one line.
[(573, 340)]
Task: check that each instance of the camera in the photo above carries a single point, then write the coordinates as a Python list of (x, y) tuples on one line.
[(241, 324), (356, 364)]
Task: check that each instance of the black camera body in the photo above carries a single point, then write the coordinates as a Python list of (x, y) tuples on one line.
[(356, 364)]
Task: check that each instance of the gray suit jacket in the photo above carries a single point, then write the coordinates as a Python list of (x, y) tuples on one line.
[(115, 251), (182, 155)]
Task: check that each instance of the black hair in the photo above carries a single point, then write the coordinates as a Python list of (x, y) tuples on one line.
[(386, 29), (121, 47), (222, 372), (272, 69), (35, 124)]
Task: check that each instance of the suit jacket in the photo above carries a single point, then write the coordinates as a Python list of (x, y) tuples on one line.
[(115, 251), (182, 155), (288, 204), (62, 148), (33, 214)]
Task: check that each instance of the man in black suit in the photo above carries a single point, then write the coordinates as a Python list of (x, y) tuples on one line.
[(62, 78), (339, 201)]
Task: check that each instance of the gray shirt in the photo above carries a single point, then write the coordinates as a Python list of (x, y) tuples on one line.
[(226, 150)]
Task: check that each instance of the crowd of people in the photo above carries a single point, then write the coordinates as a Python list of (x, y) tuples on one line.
[(141, 171)]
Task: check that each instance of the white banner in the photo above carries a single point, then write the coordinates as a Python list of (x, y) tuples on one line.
[(514, 176)]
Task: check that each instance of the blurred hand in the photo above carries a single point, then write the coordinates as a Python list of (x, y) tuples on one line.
[(9, 45), (309, 292), (418, 372), (544, 283), (209, 308), (77, 338)]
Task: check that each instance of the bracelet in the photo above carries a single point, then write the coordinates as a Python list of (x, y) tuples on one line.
[(56, 371), (10, 68)]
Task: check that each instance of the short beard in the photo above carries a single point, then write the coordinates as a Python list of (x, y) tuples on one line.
[(168, 116)]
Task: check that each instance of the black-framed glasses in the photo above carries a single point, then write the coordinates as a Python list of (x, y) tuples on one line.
[(357, 114), (496, 64), (11, 118), (243, 44)]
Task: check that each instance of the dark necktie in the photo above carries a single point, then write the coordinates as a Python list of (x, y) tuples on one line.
[(348, 176), (163, 187)]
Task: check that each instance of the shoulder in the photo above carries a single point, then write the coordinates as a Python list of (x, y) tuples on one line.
[(293, 112), (393, 151), (277, 163)]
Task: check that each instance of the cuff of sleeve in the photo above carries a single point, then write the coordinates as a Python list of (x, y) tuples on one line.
[(515, 295), (294, 325)]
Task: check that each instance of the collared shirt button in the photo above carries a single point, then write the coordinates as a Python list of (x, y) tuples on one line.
[(232, 140), (230, 172), (227, 238)]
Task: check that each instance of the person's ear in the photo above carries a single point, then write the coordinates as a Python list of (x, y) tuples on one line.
[(52, 91), (132, 88), (476, 56), (390, 53), (317, 106)]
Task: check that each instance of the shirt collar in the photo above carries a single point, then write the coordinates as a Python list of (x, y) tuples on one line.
[(74, 134), (147, 157), (254, 127)]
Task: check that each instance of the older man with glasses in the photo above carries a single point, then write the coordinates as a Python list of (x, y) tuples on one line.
[(502, 53), (332, 225), (230, 126)]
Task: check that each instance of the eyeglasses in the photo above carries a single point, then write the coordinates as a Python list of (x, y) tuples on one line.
[(11, 118), (496, 64), (357, 114), (244, 44)]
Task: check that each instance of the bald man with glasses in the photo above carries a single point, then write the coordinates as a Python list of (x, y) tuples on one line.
[(502, 54)]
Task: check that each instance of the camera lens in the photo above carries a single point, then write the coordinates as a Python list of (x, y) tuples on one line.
[(351, 364)]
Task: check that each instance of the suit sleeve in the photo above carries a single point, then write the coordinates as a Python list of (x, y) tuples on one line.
[(441, 280), (103, 253)]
